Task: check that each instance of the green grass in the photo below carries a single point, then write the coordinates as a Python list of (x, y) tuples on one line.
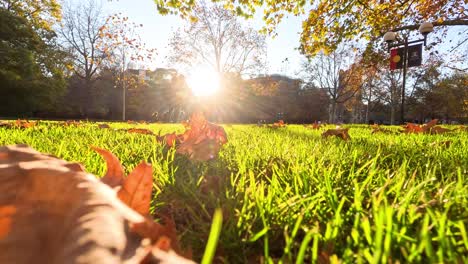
[(289, 196)]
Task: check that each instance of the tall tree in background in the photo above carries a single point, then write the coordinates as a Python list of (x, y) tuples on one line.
[(372, 64), (31, 63), (80, 31), (391, 91), (332, 73), (216, 38), (121, 44)]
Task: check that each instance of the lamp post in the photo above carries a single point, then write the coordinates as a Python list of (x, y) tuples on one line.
[(400, 59)]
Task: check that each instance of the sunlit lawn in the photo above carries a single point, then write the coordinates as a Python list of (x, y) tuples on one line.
[(287, 194)]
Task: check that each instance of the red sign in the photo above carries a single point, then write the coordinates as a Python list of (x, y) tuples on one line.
[(396, 59), (414, 57)]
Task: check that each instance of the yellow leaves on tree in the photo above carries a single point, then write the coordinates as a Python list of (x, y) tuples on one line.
[(201, 141)]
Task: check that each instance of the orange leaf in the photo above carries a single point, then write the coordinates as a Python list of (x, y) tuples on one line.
[(140, 131), (137, 187), (429, 125), (103, 126), (439, 130), (115, 172), (339, 132), (170, 140)]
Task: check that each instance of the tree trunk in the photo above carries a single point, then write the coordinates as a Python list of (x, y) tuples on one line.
[(332, 114), (392, 114), (367, 114)]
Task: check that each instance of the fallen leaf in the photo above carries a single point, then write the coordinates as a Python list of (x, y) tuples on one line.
[(5, 124), (378, 129), (71, 123), (170, 140), (137, 187), (416, 129), (51, 211), (445, 143), (278, 124), (24, 123), (201, 141), (339, 132), (155, 231), (115, 172), (439, 130), (140, 131), (54, 213), (427, 127), (103, 126)]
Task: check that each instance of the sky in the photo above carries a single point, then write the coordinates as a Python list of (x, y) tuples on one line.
[(158, 29)]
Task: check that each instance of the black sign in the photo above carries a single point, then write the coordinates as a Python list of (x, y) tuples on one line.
[(414, 55)]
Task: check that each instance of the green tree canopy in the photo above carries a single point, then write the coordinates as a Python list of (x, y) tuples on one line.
[(31, 68)]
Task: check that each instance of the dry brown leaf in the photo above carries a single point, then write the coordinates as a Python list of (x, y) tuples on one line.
[(140, 131), (18, 124), (278, 124), (439, 130), (427, 127), (338, 132), (137, 187), (412, 128), (155, 231), (378, 129), (170, 140), (416, 129), (115, 172), (53, 212), (71, 123), (201, 141), (5, 124), (103, 126), (445, 143)]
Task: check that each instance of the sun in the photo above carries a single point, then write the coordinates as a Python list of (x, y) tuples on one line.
[(203, 82)]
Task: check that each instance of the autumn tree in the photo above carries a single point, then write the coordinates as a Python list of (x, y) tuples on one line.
[(216, 38), (390, 92), (372, 63), (80, 31), (438, 95), (122, 46), (333, 73), (330, 23)]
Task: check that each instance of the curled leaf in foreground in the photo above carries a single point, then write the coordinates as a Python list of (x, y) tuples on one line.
[(51, 211)]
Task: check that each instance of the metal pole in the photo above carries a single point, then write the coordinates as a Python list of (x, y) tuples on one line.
[(123, 96), (405, 56)]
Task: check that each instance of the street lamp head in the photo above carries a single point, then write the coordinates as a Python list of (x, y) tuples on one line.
[(426, 28), (389, 37)]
